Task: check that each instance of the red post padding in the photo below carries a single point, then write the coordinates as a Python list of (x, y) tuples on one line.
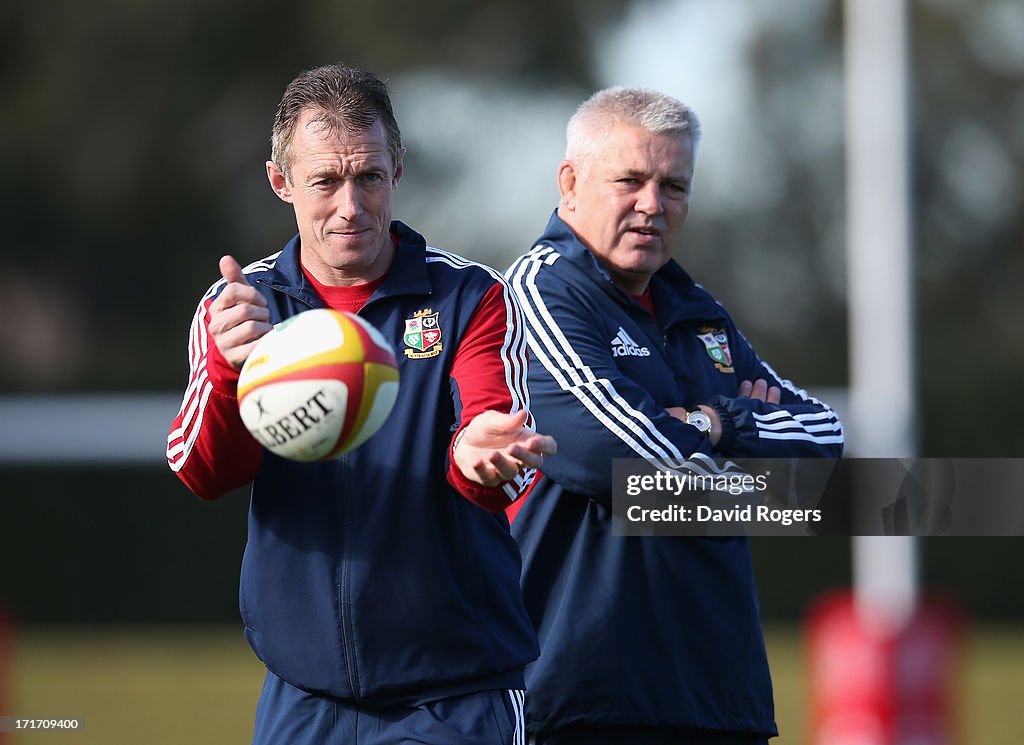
[(870, 687)]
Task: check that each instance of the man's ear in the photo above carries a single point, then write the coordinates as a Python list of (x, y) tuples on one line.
[(399, 169), (567, 185), (278, 181)]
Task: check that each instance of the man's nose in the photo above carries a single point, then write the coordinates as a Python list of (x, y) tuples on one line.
[(348, 205), (649, 199)]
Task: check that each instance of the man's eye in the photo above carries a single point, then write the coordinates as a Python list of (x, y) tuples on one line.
[(373, 178), (324, 182)]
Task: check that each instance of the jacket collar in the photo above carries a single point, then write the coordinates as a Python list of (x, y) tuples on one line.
[(680, 297), (407, 274)]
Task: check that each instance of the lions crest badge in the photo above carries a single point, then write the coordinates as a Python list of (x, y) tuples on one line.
[(423, 335), (716, 343)]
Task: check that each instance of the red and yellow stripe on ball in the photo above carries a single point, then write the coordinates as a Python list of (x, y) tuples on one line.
[(353, 349), (379, 367), (374, 375)]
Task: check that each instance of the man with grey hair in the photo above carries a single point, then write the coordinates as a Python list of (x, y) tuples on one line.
[(656, 639), (380, 588)]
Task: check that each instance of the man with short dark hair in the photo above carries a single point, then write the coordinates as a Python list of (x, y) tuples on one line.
[(380, 588), (644, 640)]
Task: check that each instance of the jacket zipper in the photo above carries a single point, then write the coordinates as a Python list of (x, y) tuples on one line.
[(347, 633), (344, 591)]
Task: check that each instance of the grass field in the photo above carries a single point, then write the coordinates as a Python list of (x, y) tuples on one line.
[(136, 686)]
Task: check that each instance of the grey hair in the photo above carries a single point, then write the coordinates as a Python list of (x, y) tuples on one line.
[(641, 107)]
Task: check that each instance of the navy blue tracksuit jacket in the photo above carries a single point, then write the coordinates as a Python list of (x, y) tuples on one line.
[(373, 577), (648, 630)]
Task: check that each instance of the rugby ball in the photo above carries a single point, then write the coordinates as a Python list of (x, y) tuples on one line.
[(317, 385)]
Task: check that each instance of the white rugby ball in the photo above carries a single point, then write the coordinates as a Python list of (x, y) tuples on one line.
[(318, 385)]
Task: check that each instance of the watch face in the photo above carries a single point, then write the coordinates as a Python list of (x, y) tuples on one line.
[(700, 420)]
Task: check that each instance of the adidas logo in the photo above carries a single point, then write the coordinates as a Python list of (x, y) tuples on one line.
[(624, 346)]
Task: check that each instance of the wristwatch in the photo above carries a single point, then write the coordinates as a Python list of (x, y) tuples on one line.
[(701, 421)]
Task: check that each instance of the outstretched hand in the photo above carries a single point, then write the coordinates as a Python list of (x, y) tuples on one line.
[(239, 316), (493, 447)]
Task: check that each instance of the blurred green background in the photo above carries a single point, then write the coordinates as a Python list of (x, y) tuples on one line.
[(136, 134), (166, 686)]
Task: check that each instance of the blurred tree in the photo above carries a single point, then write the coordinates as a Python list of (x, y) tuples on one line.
[(136, 135), (138, 132), (969, 157)]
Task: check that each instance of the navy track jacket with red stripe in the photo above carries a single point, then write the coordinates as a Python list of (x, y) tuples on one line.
[(660, 631), (382, 575)]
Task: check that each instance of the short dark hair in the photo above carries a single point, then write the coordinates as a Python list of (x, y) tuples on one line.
[(344, 99)]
